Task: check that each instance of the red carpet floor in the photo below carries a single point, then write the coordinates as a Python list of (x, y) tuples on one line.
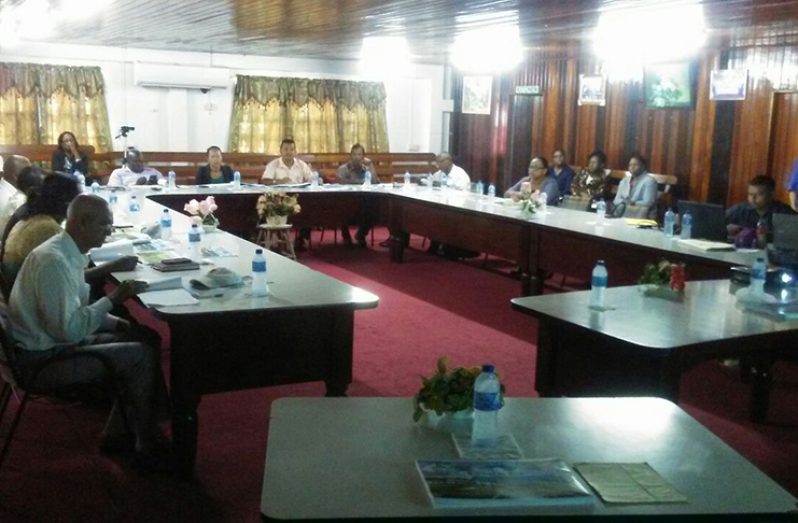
[(428, 307)]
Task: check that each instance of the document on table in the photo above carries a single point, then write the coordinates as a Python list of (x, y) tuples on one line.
[(167, 298), (629, 483), (707, 245)]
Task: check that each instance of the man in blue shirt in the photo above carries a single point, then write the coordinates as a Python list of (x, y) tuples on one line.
[(760, 206)]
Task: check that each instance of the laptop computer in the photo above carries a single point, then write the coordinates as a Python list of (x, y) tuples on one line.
[(709, 220), (783, 252)]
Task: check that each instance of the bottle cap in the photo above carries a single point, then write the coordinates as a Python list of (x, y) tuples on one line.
[(194, 226), (258, 251), (488, 367), (600, 262)]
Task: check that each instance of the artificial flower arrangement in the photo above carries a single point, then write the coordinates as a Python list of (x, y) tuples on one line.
[(447, 390), (277, 204), (528, 200), (664, 274), (202, 212)]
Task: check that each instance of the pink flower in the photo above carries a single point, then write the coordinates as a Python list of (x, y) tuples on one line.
[(203, 208), (192, 207)]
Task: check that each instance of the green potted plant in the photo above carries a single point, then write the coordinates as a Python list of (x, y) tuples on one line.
[(447, 391)]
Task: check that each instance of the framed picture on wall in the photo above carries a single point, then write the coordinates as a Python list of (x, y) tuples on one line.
[(592, 89), (476, 94), (668, 85), (728, 84)]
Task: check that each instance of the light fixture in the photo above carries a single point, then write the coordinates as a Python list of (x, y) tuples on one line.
[(385, 56), (627, 39), (490, 48)]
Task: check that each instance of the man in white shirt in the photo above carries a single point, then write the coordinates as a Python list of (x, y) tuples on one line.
[(456, 177), (11, 198), (50, 316), (286, 168), (134, 172)]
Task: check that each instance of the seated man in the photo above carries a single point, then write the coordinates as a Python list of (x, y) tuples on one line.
[(288, 169), (456, 177), (49, 315), (759, 206), (561, 172), (29, 182), (134, 172), (11, 196), (638, 190), (354, 172)]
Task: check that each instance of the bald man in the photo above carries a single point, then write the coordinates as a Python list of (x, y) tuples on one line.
[(11, 198), (456, 177), (134, 172), (50, 317)]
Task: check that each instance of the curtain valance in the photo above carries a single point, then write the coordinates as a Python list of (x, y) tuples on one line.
[(45, 79), (300, 91)]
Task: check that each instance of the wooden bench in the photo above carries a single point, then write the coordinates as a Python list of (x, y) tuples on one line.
[(250, 165)]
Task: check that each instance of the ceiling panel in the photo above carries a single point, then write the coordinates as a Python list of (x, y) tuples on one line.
[(333, 29)]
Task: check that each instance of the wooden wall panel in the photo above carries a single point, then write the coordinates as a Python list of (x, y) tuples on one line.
[(751, 139), (711, 163)]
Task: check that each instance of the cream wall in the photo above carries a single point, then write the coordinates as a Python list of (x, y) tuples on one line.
[(179, 119)]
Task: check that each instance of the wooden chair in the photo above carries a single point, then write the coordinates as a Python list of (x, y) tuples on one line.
[(14, 386)]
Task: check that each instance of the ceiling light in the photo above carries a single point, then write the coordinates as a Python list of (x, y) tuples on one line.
[(636, 36), (385, 56), (490, 49)]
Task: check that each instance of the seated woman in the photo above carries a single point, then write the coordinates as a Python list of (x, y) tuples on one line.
[(638, 190), (561, 171), (68, 158), (591, 183), (538, 180), (215, 171), (40, 219)]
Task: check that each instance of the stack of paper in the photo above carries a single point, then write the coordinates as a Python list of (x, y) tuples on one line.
[(168, 298)]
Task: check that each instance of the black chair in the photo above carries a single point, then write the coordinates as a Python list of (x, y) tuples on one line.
[(14, 385)]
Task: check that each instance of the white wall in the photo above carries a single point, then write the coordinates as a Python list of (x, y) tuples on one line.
[(176, 119)]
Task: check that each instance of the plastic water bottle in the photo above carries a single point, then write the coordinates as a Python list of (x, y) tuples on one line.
[(444, 181), (166, 225), (487, 402), (259, 285), (81, 181), (407, 180), (598, 284), (667, 225), (236, 181), (314, 180), (601, 210), (367, 179), (134, 209), (480, 188), (95, 188), (758, 274), (491, 191), (113, 200), (687, 226), (195, 242), (171, 180), (543, 199), (761, 234)]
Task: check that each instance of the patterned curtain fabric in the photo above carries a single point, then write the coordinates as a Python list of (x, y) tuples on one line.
[(39, 102), (322, 116)]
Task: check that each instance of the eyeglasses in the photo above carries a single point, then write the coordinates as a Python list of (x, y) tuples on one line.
[(536, 168)]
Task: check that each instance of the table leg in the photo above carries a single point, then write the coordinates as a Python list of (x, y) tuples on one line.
[(185, 400), (397, 247), (339, 365), (761, 379)]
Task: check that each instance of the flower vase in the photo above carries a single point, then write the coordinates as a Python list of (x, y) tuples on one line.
[(210, 223), (277, 219)]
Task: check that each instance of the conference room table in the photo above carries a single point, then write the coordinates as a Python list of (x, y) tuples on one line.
[(231, 340), (644, 339), (554, 240), (353, 459)]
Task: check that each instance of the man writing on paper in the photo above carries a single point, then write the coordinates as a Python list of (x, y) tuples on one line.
[(134, 172), (50, 314)]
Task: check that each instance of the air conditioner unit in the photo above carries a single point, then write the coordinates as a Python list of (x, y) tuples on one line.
[(181, 76)]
